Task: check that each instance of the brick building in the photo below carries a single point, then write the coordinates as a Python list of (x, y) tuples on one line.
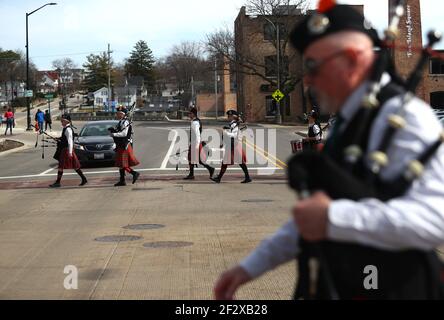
[(406, 56), (255, 39), (253, 42)]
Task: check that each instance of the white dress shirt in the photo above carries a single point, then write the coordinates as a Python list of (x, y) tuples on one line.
[(124, 125), (69, 136), (317, 131), (412, 221), (195, 133), (233, 132)]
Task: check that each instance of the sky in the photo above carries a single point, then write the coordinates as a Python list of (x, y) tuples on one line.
[(76, 28)]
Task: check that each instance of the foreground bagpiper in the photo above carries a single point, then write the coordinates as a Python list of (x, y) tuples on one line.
[(65, 153), (125, 158), (370, 215)]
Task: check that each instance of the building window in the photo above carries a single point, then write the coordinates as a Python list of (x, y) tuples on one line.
[(437, 100), (436, 66), (270, 31), (286, 103), (270, 106), (271, 66)]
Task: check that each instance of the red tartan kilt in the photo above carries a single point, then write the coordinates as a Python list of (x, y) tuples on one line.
[(202, 154), (126, 158), (67, 162), (235, 152)]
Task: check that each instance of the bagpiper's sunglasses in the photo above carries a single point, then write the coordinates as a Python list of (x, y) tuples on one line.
[(312, 67)]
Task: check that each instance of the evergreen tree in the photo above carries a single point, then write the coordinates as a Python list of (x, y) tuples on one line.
[(96, 72), (141, 63)]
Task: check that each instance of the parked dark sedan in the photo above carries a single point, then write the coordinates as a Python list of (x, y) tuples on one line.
[(93, 145)]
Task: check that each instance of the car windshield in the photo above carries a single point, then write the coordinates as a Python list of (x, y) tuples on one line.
[(96, 130)]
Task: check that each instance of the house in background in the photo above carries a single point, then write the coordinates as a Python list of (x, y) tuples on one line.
[(138, 83), (100, 97), (49, 81), (11, 90), (126, 96)]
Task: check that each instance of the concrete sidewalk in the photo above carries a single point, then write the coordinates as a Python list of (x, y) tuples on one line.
[(203, 229), (28, 138)]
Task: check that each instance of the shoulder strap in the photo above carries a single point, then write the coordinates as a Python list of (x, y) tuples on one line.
[(363, 121)]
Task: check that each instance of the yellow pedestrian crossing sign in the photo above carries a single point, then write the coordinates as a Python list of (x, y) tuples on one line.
[(278, 95)]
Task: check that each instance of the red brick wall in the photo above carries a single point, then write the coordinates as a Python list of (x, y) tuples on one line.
[(406, 54)]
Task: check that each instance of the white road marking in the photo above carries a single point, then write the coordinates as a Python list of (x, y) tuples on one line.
[(116, 172), (170, 150), (47, 171)]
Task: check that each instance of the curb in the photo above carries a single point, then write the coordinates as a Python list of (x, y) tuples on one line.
[(24, 147)]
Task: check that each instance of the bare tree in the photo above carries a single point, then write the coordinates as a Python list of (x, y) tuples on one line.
[(278, 16), (185, 63), (65, 67), (13, 74)]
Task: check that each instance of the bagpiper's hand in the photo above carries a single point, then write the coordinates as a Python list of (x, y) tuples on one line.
[(229, 282), (311, 217), (70, 155)]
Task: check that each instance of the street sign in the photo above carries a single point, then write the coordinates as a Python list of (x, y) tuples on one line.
[(29, 94), (49, 96), (278, 95)]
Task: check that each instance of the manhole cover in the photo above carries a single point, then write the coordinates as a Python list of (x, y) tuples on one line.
[(118, 238), (168, 244), (257, 201), (144, 226), (146, 189)]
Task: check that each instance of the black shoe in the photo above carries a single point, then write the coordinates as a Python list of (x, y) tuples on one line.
[(189, 177), (120, 184), (84, 181), (212, 172), (136, 176), (217, 179), (55, 185), (247, 180)]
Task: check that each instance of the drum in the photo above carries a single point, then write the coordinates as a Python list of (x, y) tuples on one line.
[(297, 146)]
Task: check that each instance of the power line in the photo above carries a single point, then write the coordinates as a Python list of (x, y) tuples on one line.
[(68, 54), (74, 54)]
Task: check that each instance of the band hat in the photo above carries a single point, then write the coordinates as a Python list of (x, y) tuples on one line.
[(232, 113), (328, 19), (122, 110), (66, 117), (193, 111)]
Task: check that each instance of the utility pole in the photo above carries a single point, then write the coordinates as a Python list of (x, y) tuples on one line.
[(109, 77), (28, 101), (192, 91), (278, 58), (276, 27), (215, 85)]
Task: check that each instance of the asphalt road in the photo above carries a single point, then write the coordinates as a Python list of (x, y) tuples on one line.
[(154, 149), (195, 230)]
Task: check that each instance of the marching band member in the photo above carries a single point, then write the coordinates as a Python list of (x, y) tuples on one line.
[(125, 158), (66, 155), (314, 138), (233, 148), (195, 152)]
